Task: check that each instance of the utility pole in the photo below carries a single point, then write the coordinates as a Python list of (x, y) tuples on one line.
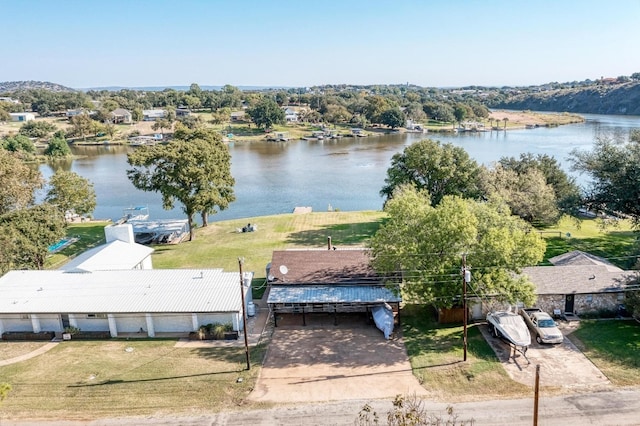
[(244, 316), (535, 396), (466, 277)]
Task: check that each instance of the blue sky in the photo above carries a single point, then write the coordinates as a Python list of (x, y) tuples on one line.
[(92, 43)]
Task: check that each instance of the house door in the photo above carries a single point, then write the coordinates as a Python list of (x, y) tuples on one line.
[(65, 321), (568, 303)]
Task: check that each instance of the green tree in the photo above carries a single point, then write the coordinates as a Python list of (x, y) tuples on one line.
[(337, 114), (37, 129), (527, 194), (81, 125), (162, 124), (425, 244), (614, 170), (194, 170), (441, 169), (4, 114), (136, 114), (26, 234), (566, 190), (266, 113), (58, 147), (110, 129), (70, 192), (18, 183), (221, 116), (5, 388), (460, 113), (19, 144), (392, 117)]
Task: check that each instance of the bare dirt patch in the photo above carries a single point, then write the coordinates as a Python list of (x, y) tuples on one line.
[(10, 350), (324, 362)]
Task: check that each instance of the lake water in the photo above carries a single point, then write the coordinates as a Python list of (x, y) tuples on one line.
[(346, 174)]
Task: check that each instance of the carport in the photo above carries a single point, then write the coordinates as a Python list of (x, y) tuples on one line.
[(329, 299), (330, 282)]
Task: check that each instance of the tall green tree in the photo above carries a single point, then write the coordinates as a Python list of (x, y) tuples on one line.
[(81, 125), (70, 192), (26, 234), (392, 117), (18, 183), (58, 147), (194, 170), (567, 192), (527, 194), (266, 113), (37, 129), (440, 169), (614, 171), (19, 144), (424, 244)]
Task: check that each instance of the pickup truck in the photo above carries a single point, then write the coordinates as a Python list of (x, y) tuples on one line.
[(542, 325)]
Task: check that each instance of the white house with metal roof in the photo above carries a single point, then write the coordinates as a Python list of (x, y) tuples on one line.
[(113, 288), (120, 252), (147, 302)]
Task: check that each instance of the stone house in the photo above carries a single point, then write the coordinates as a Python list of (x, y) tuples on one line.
[(579, 283)]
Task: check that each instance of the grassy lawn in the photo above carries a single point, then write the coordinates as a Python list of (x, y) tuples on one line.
[(89, 235), (613, 242), (96, 378), (613, 346), (436, 354), (219, 245), (78, 380)]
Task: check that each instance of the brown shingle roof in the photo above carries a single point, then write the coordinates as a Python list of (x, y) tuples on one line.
[(349, 267)]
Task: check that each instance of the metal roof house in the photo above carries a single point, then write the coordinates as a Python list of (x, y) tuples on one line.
[(326, 281), (146, 302), (113, 289), (120, 252)]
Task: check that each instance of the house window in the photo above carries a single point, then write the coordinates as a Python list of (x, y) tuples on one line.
[(620, 297), (25, 316), (96, 315), (589, 298)]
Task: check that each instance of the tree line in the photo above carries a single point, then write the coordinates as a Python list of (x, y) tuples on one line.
[(444, 207)]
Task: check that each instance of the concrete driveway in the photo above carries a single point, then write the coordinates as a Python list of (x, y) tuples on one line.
[(323, 362), (561, 366)]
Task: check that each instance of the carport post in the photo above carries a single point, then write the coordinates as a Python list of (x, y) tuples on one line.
[(244, 315)]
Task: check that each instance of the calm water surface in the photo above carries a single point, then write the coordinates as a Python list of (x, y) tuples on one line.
[(347, 173)]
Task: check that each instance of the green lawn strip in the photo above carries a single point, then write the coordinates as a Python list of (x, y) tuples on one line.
[(219, 245), (88, 235), (78, 379), (613, 240), (613, 346), (436, 354)]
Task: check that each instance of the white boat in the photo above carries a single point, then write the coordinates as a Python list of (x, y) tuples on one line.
[(135, 213), (511, 327)]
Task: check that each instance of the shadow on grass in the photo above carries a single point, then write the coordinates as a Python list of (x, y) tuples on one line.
[(424, 336), (341, 234), (156, 379)]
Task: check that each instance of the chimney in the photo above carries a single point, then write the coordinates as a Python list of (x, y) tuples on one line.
[(328, 243)]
